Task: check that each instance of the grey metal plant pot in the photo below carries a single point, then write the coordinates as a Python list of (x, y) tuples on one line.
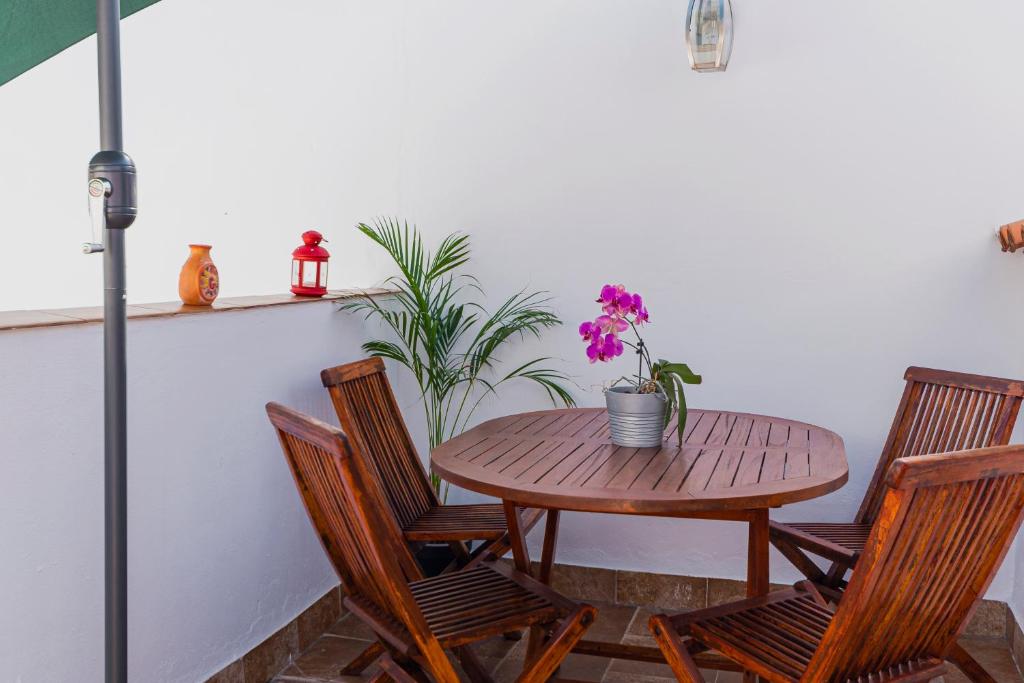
[(636, 420)]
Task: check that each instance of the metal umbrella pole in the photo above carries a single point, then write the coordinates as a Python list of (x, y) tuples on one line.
[(112, 204)]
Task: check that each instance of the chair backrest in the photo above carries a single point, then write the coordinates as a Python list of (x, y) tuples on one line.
[(945, 525), (369, 414), (345, 504), (944, 411)]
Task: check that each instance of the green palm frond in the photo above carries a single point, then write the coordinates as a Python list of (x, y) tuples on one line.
[(451, 345)]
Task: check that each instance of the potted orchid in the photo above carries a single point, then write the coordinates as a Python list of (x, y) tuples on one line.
[(640, 410)]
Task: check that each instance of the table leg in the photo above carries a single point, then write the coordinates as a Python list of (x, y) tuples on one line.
[(520, 555), (547, 557), (757, 554), (757, 564), (521, 559)]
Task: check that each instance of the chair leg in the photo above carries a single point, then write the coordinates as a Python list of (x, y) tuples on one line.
[(968, 665), (535, 640), (363, 660), (829, 592), (559, 645), (391, 668), (675, 652), (460, 552), (836, 573)]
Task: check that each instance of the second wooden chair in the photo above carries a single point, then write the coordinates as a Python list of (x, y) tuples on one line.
[(369, 414), (940, 411), (418, 620)]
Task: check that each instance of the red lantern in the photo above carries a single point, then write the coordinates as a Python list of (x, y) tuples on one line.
[(309, 266)]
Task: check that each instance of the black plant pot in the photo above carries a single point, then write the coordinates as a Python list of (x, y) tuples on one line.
[(434, 558)]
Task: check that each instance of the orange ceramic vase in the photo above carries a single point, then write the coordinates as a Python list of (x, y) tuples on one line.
[(198, 284)]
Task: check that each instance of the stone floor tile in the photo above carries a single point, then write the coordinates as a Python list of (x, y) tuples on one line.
[(625, 666), (611, 623), (728, 677), (617, 677), (584, 668), (638, 626), (641, 641), (351, 626), (509, 668), (327, 656), (320, 616), (493, 650), (293, 675), (322, 662)]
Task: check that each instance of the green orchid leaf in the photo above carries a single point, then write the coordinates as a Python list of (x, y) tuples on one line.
[(681, 426), (684, 372)]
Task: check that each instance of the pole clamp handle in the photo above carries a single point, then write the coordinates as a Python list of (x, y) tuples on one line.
[(99, 191)]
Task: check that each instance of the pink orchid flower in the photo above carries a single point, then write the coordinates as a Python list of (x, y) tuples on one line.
[(609, 324), (621, 308), (611, 299), (604, 348), (595, 348), (638, 310)]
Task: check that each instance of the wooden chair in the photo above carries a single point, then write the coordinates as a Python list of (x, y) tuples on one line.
[(943, 526), (416, 620), (369, 414), (940, 412)]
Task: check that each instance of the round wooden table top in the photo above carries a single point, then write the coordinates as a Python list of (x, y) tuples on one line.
[(564, 459)]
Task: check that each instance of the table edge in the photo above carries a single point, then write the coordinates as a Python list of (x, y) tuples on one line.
[(667, 506)]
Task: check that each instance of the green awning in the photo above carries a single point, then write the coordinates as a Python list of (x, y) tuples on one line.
[(32, 31)]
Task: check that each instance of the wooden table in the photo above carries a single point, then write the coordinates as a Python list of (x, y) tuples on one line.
[(732, 466)]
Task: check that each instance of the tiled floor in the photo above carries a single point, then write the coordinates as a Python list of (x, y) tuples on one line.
[(323, 660)]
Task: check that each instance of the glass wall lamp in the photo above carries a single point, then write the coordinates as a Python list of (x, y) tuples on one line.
[(709, 34)]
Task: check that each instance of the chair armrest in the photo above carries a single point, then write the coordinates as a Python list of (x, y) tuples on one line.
[(530, 517), (814, 544)]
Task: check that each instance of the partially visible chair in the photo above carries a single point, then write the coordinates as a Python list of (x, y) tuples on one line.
[(415, 621), (943, 526), (369, 414), (940, 411)]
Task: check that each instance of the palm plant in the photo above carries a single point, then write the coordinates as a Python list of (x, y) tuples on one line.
[(450, 345)]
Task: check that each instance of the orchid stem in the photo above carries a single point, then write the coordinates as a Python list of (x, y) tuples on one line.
[(640, 367), (641, 348)]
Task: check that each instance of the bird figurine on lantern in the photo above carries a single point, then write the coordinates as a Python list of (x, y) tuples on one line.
[(309, 266)]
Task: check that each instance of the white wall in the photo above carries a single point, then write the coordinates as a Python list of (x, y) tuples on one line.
[(804, 226), (221, 553)]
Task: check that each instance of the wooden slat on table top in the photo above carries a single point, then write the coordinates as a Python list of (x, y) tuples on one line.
[(564, 459)]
